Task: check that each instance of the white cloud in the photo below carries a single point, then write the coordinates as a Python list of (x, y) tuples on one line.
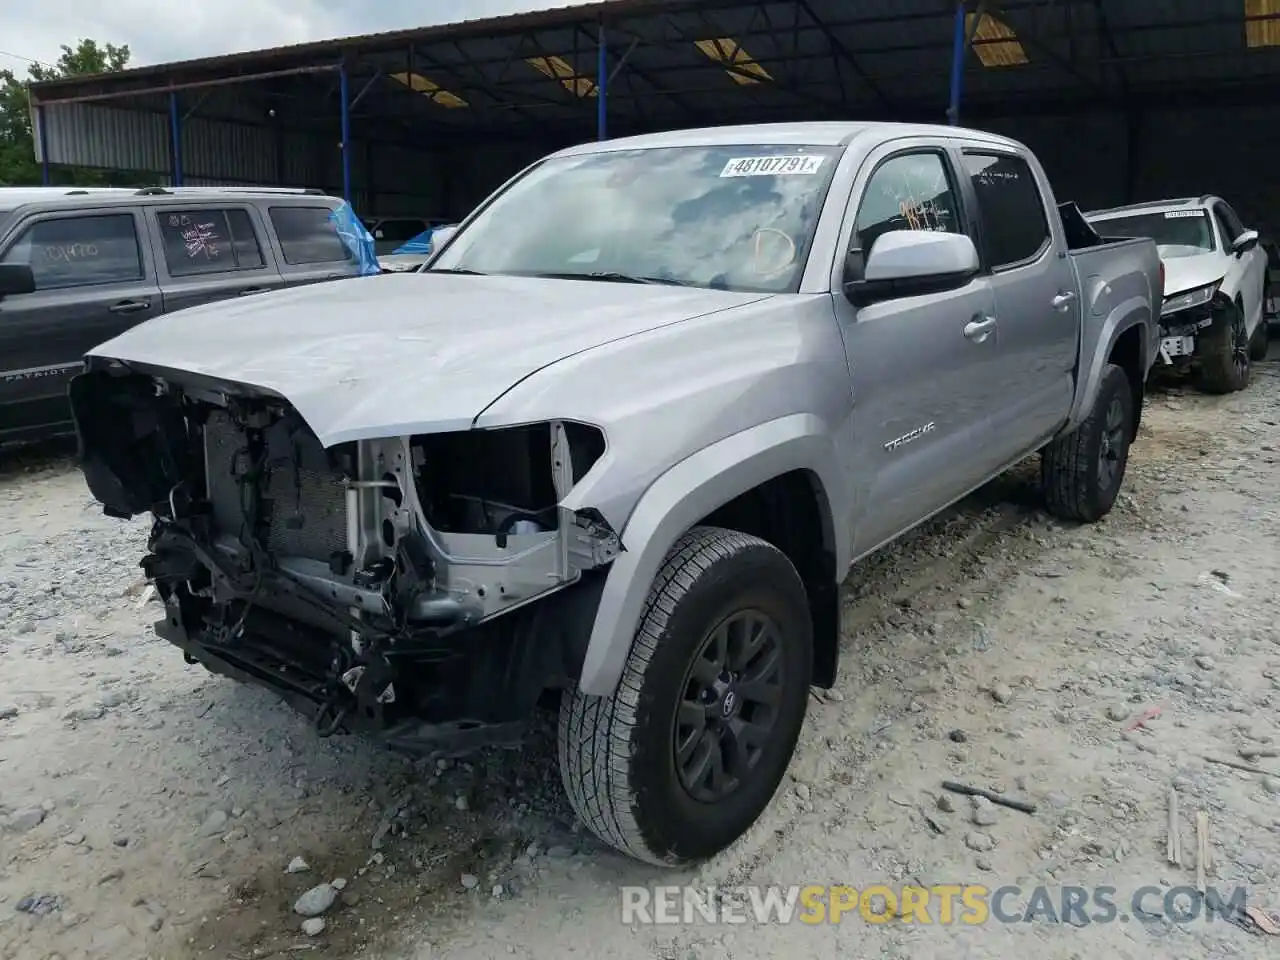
[(160, 32)]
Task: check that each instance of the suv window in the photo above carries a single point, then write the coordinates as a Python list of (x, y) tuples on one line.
[(208, 241), (398, 231), (77, 251), (1228, 224), (308, 235), (1014, 225), (912, 191)]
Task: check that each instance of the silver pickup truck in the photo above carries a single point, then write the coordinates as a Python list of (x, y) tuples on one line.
[(619, 444)]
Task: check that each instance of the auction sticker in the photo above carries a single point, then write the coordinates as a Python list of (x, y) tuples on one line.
[(772, 166)]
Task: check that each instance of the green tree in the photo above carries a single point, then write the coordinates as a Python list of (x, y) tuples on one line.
[(18, 165)]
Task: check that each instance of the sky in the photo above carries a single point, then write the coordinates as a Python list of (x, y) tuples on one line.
[(157, 32)]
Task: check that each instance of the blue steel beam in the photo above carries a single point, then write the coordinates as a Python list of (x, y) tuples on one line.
[(958, 45), (344, 91), (42, 120), (175, 134)]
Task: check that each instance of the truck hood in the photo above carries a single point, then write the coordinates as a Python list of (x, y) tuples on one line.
[(399, 354), (1182, 273)]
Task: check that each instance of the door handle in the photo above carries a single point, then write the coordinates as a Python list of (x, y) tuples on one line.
[(130, 306), (1063, 300), (979, 328)]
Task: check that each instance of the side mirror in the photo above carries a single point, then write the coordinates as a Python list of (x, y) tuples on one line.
[(16, 278), (906, 263), (1245, 242)]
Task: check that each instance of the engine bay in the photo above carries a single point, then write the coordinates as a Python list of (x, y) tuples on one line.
[(379, 582)]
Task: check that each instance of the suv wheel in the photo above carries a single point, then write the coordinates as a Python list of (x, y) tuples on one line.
[(1259, 342), (1082, 472), (685, 755), (1223, 352)]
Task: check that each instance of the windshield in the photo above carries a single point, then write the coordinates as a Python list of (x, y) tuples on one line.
[(1178, 233), (727, 217)]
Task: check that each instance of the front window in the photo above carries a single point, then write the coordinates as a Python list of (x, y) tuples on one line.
[(1178, 233), (725, 217)]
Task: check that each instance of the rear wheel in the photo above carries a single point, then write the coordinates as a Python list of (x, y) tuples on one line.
[(688, 751), (1082, 472), (1223, 353), (1259, 342)]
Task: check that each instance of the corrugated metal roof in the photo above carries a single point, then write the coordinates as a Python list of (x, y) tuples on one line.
[(495, 80)]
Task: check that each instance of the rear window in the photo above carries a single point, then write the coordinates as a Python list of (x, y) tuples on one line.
[(308, 235), (1014, 226), (208, 241), (78, 251)]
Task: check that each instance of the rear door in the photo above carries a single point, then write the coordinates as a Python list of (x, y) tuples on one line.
[(211, 252), (305, 240), (921, 366), (95, 278), (1037, 306)]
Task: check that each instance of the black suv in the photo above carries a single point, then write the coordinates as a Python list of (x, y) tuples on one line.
[(78, 267)]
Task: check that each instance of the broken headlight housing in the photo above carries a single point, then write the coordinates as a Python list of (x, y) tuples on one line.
[(1189, 299)]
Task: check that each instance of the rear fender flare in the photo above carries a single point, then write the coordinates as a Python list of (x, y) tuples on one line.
[(682, 496), (1134, 312)]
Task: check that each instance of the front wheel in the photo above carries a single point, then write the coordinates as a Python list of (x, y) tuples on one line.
[(1082, 472), (1259, 342), (688, 751), (1223, 352)]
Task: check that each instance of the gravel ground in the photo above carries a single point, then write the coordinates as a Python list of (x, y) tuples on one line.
[(150, 809)]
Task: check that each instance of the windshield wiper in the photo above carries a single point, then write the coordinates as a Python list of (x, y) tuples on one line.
[(458, 270), (610, 276)]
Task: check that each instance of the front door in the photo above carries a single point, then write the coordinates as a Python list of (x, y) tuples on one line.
[(1247, 270), (921, 366), (1037, 304), (94, 280)]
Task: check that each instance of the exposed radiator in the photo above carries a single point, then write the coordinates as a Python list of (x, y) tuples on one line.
[(307, 507)]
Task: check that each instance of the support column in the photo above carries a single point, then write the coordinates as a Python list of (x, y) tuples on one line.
[(175, 134), (42, 122), (602, 87), (958, 44), (344, 91)]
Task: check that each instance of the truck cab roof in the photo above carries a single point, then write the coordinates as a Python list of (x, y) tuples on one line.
[(816, 133)]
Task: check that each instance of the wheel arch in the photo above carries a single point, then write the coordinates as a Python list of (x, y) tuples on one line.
[(787, 464), (1129, 353), (1132, 314)]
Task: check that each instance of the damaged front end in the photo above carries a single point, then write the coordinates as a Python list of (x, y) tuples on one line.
[(1184, 317), (384, 586)]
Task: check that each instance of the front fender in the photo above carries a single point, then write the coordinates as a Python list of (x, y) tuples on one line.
[(1096, 350), (682, 496)]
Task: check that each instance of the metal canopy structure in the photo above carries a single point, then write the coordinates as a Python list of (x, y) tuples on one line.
[(627, 66)]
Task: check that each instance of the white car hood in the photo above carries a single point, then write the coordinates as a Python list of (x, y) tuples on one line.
[(399, 354), (1187, 273)]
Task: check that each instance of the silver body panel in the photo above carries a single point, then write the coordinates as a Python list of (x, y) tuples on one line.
[(890, 409)]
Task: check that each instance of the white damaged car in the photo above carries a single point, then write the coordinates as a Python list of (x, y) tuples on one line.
[(1215, 277)]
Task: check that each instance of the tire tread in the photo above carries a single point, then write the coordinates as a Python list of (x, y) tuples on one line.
[(594, 739), (1067, 464)]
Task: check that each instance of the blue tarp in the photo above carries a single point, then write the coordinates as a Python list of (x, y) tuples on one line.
[(419, 244), (357, 239)]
